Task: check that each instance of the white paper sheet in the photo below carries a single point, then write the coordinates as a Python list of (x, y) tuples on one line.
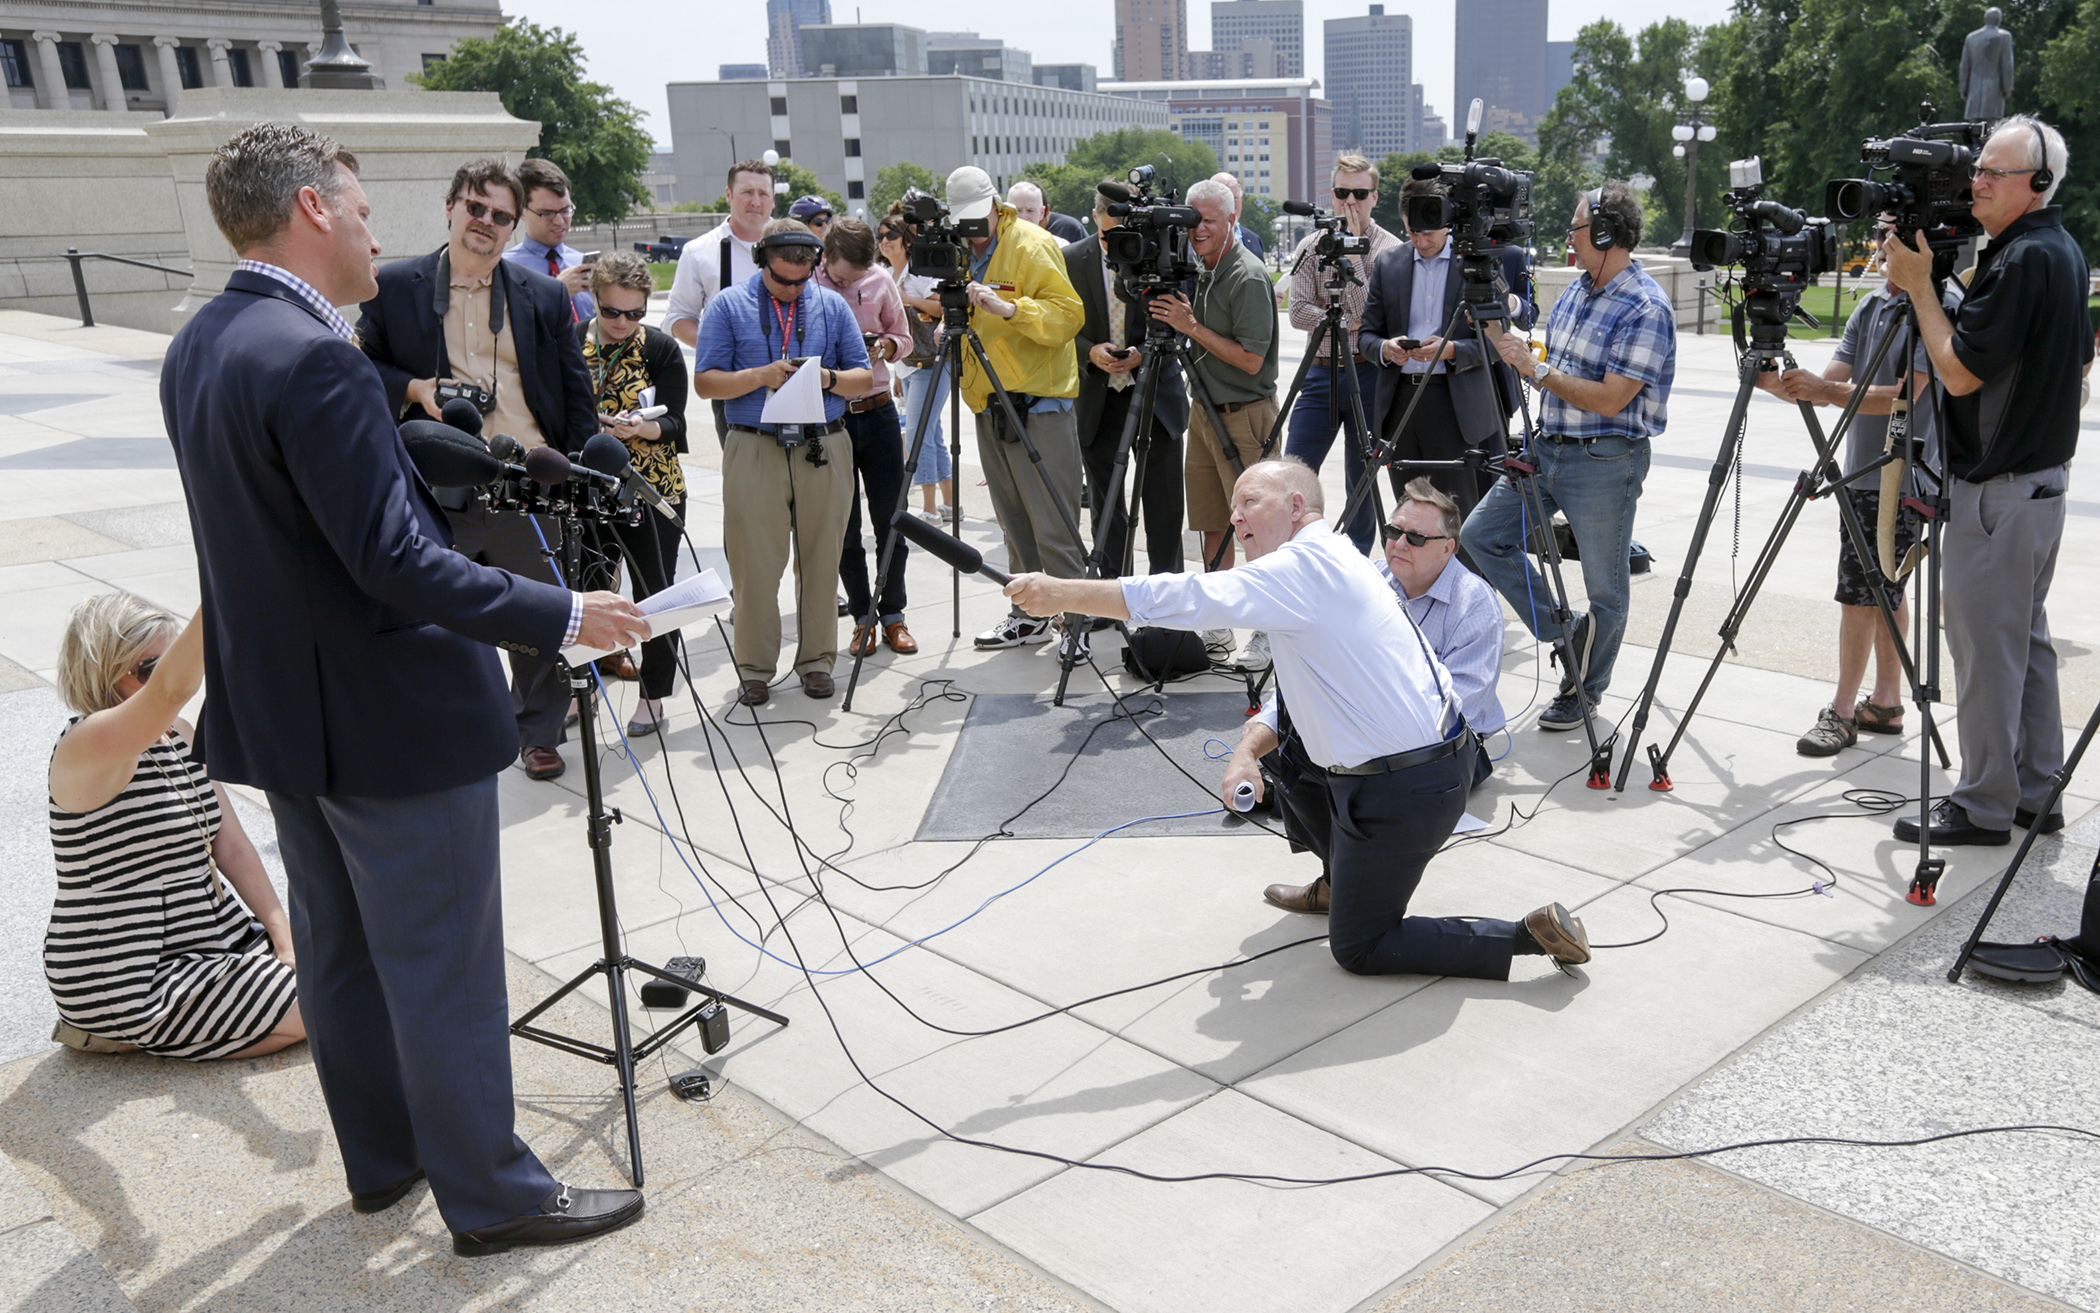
[(1468, 822), (673, 608), (798, 401)]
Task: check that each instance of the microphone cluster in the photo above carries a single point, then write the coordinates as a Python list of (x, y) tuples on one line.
[(601, 485)]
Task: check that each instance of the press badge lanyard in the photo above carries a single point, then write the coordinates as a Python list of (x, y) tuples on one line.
[(790, 322)]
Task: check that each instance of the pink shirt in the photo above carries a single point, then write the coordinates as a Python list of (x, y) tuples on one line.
[(877, 308)]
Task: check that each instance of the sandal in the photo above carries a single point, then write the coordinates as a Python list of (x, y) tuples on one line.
[(1874, 718)]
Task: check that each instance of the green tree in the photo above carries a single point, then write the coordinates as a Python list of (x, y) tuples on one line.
[(1067, 188), (1259, 214), (893, 180), (801, 182), (595, 137), (1114, 153)]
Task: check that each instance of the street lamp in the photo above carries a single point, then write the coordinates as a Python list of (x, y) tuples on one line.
[(1691, 128)]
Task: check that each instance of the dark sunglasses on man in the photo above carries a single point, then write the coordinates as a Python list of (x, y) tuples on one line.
[(501, 218), (1393, 533), (608, 312), (1352, 193)]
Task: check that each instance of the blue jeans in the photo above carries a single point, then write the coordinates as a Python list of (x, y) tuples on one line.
[(934, 463), (1312, 433), (1597, 484)]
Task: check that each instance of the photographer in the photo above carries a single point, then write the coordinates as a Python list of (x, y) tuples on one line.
[(783, 485), (463, 314), (1319, 413), (1026, 314), (2010, 361), (1611, 345), (548, 212), (1107, 390), (1361, 709)]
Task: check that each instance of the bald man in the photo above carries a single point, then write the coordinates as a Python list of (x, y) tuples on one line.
[(1231, 183), (1027, 200), (1372, 759)]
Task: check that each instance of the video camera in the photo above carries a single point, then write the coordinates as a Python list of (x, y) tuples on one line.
[(1487, 207), (1149, 250), (940, 246), (1781, 250), (1335, 241), (1927, 189)]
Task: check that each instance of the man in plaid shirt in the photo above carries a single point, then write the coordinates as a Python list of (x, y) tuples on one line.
[(1611, 353)]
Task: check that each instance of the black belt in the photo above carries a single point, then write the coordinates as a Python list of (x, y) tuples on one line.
[(835, 426), (866, 404), (1569, 439), (1400, 761), (1418, 379)]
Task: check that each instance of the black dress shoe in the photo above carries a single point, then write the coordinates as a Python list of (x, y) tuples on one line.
[(565, 1216), (2051, 823), (1951, 826), (378, 1201)]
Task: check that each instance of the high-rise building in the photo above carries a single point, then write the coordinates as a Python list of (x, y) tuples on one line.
[(1152, 40), (1378, 107), (1560, 69), (740, 72), (1270, 133), (971, 55), (1066, 77), (1501, 59), (785, 20), (1237, 24), (862, 50)]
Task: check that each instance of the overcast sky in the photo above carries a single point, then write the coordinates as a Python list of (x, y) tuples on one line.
[(637, 47)]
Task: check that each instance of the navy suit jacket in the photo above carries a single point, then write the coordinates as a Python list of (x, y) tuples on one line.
[(405, 337), (1483, 391), (345, 641), (1170, 405)]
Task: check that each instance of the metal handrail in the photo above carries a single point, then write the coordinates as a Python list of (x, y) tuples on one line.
[(74, 257)]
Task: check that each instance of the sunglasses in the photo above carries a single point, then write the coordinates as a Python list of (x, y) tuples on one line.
[(143, 671), (1393, 533), (501, 218), (607, 312), (817, 221), (1352, 193), (777, 277)]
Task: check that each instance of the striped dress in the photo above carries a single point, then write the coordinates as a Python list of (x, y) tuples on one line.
[(139, 948)]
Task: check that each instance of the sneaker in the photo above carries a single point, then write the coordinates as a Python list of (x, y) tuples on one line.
[(1014, 631), (930, 517), (1574, 652), (1832, 735), (1218, 642), (1078, 645), (1254, 656), (1563, 713), (953, 514)]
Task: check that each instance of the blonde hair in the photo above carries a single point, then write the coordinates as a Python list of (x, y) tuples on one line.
[(102, 642), (1355, 164), (622, 269), (1422, 490)]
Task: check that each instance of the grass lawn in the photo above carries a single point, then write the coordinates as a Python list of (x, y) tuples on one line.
[(663, 274)]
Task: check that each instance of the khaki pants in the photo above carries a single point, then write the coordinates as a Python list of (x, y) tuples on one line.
[(773, 496), (1026, 502), (1208, 474)]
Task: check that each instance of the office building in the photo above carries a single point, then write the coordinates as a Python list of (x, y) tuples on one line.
[(64, 54), (1152, 40), (1378, 109), (740, 72), (863, 50), (785, 20), (1272, 133), (971, 55), (1069, 77), (847, 130), (1501, 59), (1560, 69), (1240, 24)]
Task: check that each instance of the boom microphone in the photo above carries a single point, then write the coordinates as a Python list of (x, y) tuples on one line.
[(948, 548), (448, 458), (461, 414)]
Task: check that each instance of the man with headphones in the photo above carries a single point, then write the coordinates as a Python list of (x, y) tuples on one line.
[(783, 484), (1611, 354), (2010, 360)]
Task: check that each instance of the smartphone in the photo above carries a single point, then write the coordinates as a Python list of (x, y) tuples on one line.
[(1121, 352), (1407, 343), (590, 257)]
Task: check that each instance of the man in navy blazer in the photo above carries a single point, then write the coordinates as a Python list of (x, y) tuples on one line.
[(463, 313), (351, 675)]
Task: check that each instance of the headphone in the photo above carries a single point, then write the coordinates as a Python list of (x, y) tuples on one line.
[(786, 238), (2041, 179), (1604, 234)]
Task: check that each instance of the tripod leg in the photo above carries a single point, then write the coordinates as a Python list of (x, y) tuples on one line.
[(886, 532), (1108, 504)]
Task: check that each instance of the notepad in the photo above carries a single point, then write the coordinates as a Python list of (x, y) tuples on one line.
[(673, 608)]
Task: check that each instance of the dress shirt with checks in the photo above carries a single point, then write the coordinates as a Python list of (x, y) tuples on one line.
[(551, 260), (1308, 291), (1626, 327), (1461, 617), (1362, 681)]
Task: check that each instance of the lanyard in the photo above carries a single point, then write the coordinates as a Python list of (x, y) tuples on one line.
[(788, 322)]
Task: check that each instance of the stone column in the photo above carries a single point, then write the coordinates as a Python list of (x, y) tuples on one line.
[(106, 65), (55, 94), (170, 71), (221, 69), (272, 71)]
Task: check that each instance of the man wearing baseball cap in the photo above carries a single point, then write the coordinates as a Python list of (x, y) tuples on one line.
[(1028, 315)]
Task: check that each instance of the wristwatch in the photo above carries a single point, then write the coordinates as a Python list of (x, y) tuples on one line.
[(1539, 372)]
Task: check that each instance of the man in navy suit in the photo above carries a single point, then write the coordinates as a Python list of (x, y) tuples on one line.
[(462, 313), (351, 674)]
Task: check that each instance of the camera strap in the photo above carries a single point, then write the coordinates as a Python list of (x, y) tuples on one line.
[(441, 305)]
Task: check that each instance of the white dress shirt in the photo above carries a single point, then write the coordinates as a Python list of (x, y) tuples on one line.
[(699, 275), (1361, 678)]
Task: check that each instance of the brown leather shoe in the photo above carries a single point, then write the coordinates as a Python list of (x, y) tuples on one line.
[(899, 638), (753, 692), (1561, 935), (863, 643), (817, 683), (620, 665), (543, 763), (1308, 898)]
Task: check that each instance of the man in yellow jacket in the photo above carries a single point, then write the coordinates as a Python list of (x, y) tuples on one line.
[(1029, 314)]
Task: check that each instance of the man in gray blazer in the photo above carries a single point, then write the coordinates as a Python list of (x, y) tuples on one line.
[(1414, 289), (1108, 387)]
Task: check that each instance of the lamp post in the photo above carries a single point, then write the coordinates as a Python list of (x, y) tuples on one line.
[(1692, 127), (780, 187)]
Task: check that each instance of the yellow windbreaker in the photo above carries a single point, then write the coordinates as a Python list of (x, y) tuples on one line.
[(1032, 351)]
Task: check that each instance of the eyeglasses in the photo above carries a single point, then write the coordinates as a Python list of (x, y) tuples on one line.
[(1393, 533), (1576, 228), (1352, 193), (562, 213), (609, 313), (1999, 175), (501, 218), (143, 671)]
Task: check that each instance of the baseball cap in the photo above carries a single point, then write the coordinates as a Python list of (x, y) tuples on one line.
[(808, 205), (970, 193)]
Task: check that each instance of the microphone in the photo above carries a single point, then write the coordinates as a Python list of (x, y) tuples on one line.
[(1306, 208), (1426, 172), (507, 449), (547, 467), (447, 458), (953, 550), (461, 414), (1117, 192), (608, 455)]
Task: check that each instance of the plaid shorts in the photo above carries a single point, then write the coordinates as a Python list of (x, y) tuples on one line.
[(1855, 579)]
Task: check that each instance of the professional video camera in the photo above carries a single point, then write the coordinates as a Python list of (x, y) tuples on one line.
[(940, 248), (1927, 188), (1335, 240), (1779, 248), (1487, 207), (1149, 250)]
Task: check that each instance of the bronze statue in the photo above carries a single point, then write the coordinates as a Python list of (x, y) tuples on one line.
[(1987, 68)]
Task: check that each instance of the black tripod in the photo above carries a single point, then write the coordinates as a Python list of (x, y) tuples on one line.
[(1338, 274), (1825, 479)]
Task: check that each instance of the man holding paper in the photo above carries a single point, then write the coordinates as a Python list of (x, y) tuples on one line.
[(784, 355)]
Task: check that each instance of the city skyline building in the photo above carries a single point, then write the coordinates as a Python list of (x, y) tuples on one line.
[(1500, 57), (862, 50), (972, 55), (1241, 24), (1273, 134), (785, 20), (1379, 109), (1152, 40)]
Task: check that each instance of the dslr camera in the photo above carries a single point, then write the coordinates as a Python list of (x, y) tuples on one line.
[(1926, 187), (1487, 207), (940, 250), (1781, 250), (1149, 250)]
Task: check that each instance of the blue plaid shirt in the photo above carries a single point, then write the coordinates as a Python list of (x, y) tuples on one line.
[(1626, 328), (741, 329)]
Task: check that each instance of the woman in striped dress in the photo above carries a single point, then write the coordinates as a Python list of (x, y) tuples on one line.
[(147, 950)]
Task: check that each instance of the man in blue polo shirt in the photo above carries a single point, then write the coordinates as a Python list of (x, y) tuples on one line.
[(783, 482), (1611, 354)]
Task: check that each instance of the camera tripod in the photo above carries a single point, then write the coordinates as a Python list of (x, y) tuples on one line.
[(1767, 320), (1356, 430)]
